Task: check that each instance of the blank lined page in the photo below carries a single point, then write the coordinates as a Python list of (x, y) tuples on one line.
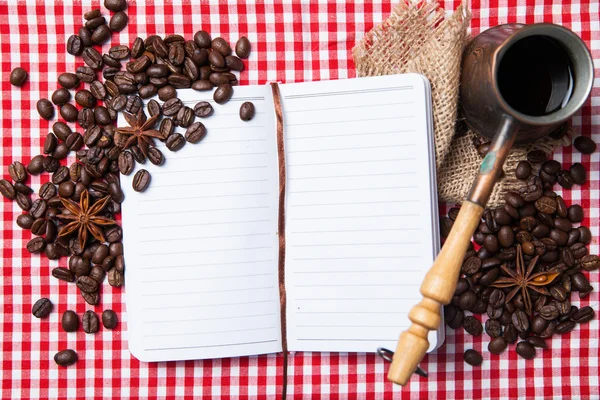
[(359, 219), (201, 242)]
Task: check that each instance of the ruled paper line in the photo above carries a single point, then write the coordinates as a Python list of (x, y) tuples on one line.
[(349, 134), (210, 345), (208, 333), (204, 223), (161, 280), (207, 291), (353, 176), (162, 321), (361, 107), (347, 121), (206, 210), (207, 305), (348, 92), (162, 266), (169, 239), (212, 183), (204, 197), (354, 190), (355, 216), (353, 162), (204, 251)]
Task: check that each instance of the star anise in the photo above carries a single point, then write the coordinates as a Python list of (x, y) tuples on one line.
[(523, 280), (85, 218), (138, 132)]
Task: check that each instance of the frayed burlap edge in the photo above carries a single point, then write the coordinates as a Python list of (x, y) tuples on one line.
[(417, 37)]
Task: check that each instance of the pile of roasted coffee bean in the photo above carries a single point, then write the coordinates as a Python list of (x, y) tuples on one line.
[(158, 66), (537, 223)]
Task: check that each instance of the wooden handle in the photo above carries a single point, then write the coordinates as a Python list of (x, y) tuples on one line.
[(437, 289)]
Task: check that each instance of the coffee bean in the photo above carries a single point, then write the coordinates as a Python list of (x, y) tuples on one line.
[(102, 116), (103, 32), (100, 253), (85, 98), (69, 321), (457, 321), (115, 5), (564, 179), (575, 213), (172, 106), (195, 132), (510, 333), (493, 329), (525, 350), (216, 59), (92, 58), (126, 163), (579, 250), (202, 39), (87, 284), (109, 319), (221, 46), (179, 81), (176, 54), (585, 236), (536, 157), (91, 298), (514, 199), (202, 85), (42, 308), (38, 208), (247, 111), (472, 326), (584, 145), (61, 96), (565, 327), (560, 237), (551, 167), (69, 112), (18, 76), (467, 300), (584, 315), (589, 262), (242, 47), (25, 221), (549, 313), (115, 278), (520, 321), (134, 104), (497, 345), (45, 109), (141, 180), (118, 21), (94, 23), (64, 358), (86, 36), (471, 265), (472, 357), (17, 172), (523, 170), (61, 175), (166, 93), (79, 266), (68, 80), (578, 173), (89, 322), (223, 93)]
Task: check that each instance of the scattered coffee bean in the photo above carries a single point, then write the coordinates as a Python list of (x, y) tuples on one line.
[(523, 170), (118, 21), (89, 322), (472, 357), (64, 358), (223, 93), (584, 145), (536, 157), (497, 345), (109, 319), (525, 350), (18, 76), (45, 109), (472, 326), (141, 180), (69, 321), (42, 308), (247, 111)]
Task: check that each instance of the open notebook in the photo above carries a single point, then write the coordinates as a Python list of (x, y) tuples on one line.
[(201, 243)]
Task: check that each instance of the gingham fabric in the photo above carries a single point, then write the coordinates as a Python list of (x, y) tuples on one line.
[(291, 42)]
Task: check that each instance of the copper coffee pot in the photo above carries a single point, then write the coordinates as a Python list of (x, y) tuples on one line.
[(519, 82)]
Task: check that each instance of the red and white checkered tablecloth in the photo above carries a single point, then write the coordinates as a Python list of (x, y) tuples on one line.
[(292, 42)]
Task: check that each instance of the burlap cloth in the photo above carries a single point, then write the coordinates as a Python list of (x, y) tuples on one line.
[(418, 37)]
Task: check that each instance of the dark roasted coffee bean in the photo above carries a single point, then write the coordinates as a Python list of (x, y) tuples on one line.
[(195, 132), (203, 109), (74, 45), (134, 104), (172, 106), (549, 313), (546, 205), (558, 293), (61, 96), (528, 210), (22, 188), (101, 34), (472, 326), (490, 276), (64, 358), (97, 274), (45, 109), (514, 199), (116, 249), (223, 93), (467, 300), (449, 313), (536, 157), (115, 5), (157, 71), (584, 315), (585, 236), (523, 170), (484, 253), (155, 156), (578, 173), (108, 263), (242, 47), (25, 221), (495, 313), (69, 321), (137, 48), (113, 234), (38, 208), (139, 64), (497, 345), (567, 257), (92, 58), (61, 130), (502, 217), (126, 163), (584, 145), (137, 154), (118, 21), (202, 39), (166, 93), (175, 142), (445, 226), (115, 278), (564, 307), (79, 266), (87, 284), (86, 118), (85, 35), (537, 342), (575, 213), (472, 357), (185, 117), (247, 111), (538, 324), (176, 54), (551, 167), (109, 319), (491, 243), (510, 334), (579, 250), (115, 192), (148, 91), (89, 322), (588, 262), (85, 74), (127, 88), (85, 98), (216, 59), (234, 63), (565, 327), (493, 328), (531, 192), (7, 189), (69, 112), (563, 224), (91, 298), (496, 298), (68, 80), (220, 45), (63, 274), (100, 253), (190, 69), (141, 180), (102, 116), (94, 23), (179, 81), (525, 350), (60, 175), (74, 142), (18, 76), (560, 237), (520, 321), (202, 85), (564, 179), (540, 231), (457, 321), (17, 171), (42, 308), (528, 223), (110, 72), (471, 265), (461, 286)]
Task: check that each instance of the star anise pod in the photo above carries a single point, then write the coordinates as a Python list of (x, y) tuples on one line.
[(523, 280), (84, 218), (140, 131)]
